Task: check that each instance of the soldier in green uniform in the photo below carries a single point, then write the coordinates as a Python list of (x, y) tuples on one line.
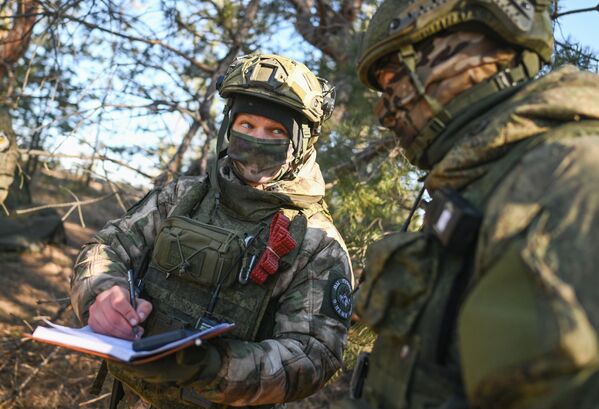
[(252, 243), (493, 304)]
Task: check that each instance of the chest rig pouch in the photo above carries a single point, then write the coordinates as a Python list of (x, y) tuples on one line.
[(414, 286), (401, 274), (198, 252), (195, 268)]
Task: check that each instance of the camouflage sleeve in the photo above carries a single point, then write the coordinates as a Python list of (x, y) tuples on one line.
[(309, 335), (119, 245), (528, 329)]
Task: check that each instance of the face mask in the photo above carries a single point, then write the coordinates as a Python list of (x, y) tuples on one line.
[(259, 161), (448, 65)]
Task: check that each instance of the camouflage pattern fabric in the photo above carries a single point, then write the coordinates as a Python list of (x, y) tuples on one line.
[(538, 233), (526, 330), (525, 24), (447, 66), (306, 345), (255, 158)]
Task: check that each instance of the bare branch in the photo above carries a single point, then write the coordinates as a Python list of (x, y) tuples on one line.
[(365, 155), (94, 400), (35, 152), (205, 121), (19, 390), (198, 64), (556, 14), (61, 205), (333, 30)]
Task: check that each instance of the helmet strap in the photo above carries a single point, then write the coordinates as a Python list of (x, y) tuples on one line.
[(407, 57), (220, 140), (419, 152)]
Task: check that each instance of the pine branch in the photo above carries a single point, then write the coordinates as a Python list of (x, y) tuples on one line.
[(574, 49)]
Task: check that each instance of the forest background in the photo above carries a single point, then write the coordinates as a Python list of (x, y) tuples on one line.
[(122, 93)]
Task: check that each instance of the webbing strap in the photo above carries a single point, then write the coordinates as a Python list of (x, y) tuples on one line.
[(502, 80), (280, 243), (220, 140)]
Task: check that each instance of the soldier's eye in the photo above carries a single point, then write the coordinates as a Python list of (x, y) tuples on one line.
[(279, 131), (246, 125)]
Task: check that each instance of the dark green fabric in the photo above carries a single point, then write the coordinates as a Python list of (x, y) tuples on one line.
[(198, 252), (404, 299), (262, 153), (188, 365), (528, 326), (249, 204)]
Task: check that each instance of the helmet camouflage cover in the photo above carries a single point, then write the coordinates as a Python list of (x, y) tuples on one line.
[(283, 81), (397, 23)]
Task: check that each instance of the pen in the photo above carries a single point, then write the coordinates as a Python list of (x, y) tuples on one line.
[(132, 297)]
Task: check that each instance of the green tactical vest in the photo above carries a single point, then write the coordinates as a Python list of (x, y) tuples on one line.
[(411, 297), (199, 247)]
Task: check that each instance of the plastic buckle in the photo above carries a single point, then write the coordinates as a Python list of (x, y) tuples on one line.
[(504, 79), (436, 125)]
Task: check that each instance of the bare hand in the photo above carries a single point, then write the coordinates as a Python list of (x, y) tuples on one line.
[(112, 314)]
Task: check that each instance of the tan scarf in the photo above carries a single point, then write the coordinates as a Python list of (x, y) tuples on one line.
[(447, 66), (542, 105)]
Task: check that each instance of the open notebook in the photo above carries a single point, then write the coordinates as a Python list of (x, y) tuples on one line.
[(116, 349)]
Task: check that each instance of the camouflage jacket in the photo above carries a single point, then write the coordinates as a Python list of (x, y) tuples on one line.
[(307, 342), (524, 332)]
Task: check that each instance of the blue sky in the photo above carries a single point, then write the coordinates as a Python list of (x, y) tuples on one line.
[(583, 27)]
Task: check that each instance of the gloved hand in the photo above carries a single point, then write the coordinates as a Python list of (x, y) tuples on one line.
[(192, 364)]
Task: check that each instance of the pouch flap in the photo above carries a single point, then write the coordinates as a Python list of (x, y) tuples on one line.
[(197, 251), (400, 273)]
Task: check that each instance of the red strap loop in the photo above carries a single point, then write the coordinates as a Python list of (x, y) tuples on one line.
[(280, 243)]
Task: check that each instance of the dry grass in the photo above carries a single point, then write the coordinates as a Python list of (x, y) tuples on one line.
[(34, 375)]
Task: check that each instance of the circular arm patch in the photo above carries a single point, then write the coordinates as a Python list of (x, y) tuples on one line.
[(341, 297)]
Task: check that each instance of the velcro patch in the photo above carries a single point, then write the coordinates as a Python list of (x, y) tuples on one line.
[(337, 301)]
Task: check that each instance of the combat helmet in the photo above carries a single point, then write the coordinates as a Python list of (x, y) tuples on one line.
[(399, 26), (401, 23), (284, 82)]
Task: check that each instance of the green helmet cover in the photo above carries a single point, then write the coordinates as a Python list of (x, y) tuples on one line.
[(283, 81), (523, 23)]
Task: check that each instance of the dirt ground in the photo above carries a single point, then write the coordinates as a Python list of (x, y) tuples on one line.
[(35, 285)]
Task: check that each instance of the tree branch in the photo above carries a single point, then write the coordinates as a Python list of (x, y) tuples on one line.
[(201, 66), (205, 119), (78, 203), (557, 14), (365, 155), (333, 29), (35, 152)]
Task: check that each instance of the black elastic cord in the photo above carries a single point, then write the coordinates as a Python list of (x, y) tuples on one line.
[(406, 224)]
